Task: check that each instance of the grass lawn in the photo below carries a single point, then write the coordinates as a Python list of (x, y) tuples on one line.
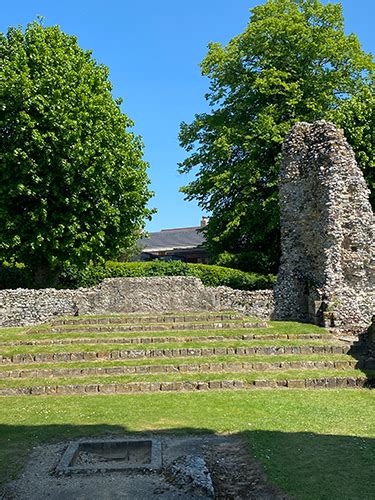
[(181, 361), (183, 377), (43, 332), (312, 444), (36, 349)]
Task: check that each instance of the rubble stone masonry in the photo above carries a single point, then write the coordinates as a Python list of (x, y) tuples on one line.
[(21, 307), (327, 271)]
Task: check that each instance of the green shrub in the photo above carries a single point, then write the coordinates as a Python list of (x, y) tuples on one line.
[(210, 275), (18, 276)]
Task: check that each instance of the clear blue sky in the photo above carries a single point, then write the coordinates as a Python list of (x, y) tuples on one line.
[(153, 49)]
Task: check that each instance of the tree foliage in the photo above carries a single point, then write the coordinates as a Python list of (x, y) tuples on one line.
[(292, 63), (73, 186)]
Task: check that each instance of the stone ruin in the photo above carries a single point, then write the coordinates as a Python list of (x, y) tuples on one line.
[(327, 270)]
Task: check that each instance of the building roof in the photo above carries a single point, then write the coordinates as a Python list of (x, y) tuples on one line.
[(172, 239)]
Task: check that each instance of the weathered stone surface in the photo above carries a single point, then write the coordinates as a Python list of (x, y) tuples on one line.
[(327, 271), (190, 472), (22, 307)]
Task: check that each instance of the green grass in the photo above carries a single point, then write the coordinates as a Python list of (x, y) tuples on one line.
[(177, 334), (95, 347), (314, 445), (181, 377), (275, 328), (150, 314), (178, 361)]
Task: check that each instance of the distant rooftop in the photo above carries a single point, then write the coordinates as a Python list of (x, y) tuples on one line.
[(172, 239)]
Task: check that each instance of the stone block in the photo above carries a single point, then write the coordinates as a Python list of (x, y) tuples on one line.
[(261, 366), (351, 381), (331, 382), (193, 352), (249, 351), (91, 388), (155, 386), (189, 386), (202, 386), (167, 386), (44, 358), (281, 383), (227, 384), (61, 356), (204, 367), (50, 389), (107, 388), (342, 365), (361, 381), (233, 366), (220, 351), (37, 391), (240, 351), (310, 383), (247, 366), (207, 351), (296, 384), (90, 356), (77, 356), (214, 384), (259, 383)]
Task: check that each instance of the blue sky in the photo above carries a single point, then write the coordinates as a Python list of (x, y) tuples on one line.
[(153, 49)]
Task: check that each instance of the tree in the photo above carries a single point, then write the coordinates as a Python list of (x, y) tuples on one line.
[(292, 63), (73, 186)]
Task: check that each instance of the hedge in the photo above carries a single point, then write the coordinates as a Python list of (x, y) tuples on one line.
[(92, 275), (210, 275)]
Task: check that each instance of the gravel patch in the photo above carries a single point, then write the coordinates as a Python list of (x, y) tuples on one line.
[(205, 467)]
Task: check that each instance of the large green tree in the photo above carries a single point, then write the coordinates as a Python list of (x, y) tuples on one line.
[(73, 185), (292, 63)]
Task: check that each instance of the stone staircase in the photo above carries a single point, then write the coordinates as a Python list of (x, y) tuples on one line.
[(175, 352)]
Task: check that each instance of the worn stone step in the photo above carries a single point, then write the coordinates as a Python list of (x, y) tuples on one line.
[(172, 353), (212, 367), (155, 327), (167, 339), (179, 386), (146, 318)]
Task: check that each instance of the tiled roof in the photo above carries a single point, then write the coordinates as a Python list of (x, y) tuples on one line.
[(171, 239)]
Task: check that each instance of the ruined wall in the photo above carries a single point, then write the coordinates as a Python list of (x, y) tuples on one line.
[(327, 273), (22, 307)]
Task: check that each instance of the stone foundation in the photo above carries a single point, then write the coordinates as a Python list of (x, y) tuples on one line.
[(22, 307)]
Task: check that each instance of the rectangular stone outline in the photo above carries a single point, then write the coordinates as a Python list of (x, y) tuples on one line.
[(65, 467)]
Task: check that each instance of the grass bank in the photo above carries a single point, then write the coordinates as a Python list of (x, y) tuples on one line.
[(312, 444)]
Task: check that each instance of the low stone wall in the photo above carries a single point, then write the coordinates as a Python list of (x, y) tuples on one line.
[(259, 303), (22, 307)]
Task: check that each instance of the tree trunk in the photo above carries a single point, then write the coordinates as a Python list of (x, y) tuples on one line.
[(42, 275)]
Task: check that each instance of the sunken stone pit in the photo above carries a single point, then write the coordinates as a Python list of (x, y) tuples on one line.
[(327, 273)]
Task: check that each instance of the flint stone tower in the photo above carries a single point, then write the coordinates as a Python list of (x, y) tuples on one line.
[(327, 271)]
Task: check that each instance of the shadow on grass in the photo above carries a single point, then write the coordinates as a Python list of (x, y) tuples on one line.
[(360, 351), (303, 464)]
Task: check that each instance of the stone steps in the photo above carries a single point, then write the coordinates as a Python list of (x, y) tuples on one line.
[(190, 385), (187, 367), (154, 327), (244, 350), (147, 318), (189, 352), (166, 339)]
